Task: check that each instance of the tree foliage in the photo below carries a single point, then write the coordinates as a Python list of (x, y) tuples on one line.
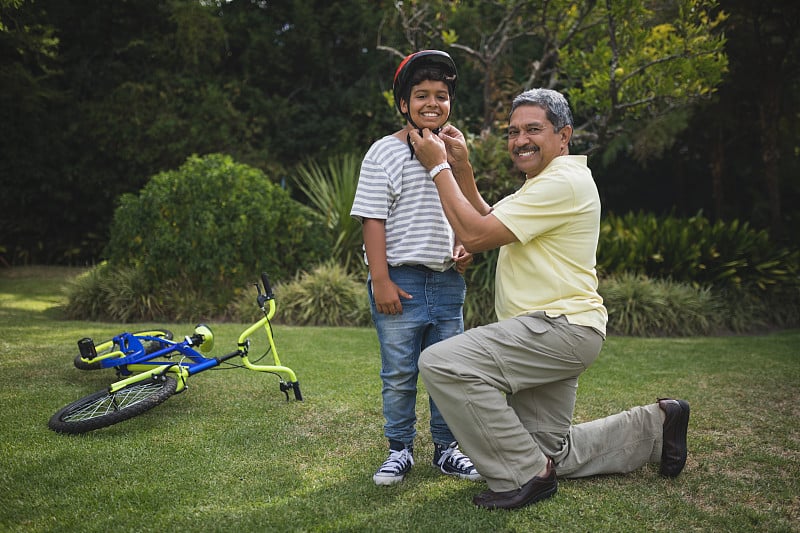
[(634, 73), (623, 63), (98, 96)]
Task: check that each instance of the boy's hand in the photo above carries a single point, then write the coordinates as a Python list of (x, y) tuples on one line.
[(387, 297), (462, 258)]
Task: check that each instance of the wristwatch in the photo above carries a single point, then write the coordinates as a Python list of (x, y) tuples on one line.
[(438, 168)]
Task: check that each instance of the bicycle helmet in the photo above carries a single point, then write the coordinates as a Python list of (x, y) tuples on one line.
[(417, 60), (411, 64)]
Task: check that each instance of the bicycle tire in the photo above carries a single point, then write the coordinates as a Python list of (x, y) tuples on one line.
[(103, 408), (109, 345)]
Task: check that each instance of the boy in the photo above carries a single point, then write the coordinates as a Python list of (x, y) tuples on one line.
[(415, 282)]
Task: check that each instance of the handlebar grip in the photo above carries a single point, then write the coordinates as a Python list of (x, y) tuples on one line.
[(267, 286)]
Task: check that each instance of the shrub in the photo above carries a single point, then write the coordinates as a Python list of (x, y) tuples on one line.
[(754, 311), (85, 295), (331, 190), (105, 293), (479, 303), (726, 255), (202, 232), (640, 306), (326, 296)]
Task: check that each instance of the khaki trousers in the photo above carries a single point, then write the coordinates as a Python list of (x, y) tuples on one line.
[(507, 391)]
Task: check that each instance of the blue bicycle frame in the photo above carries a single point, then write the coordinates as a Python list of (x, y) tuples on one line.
[(138, 363)]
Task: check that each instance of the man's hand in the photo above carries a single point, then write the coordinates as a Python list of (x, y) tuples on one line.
[(450, 145), (429, 149), (456, 144)]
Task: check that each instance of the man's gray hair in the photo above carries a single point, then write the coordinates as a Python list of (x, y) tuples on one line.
[(553, 102)]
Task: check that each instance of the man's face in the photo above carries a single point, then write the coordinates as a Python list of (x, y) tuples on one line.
[(533, 141), (428, 105)]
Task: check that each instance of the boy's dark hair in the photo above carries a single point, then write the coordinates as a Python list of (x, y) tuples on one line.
[(431, 73)]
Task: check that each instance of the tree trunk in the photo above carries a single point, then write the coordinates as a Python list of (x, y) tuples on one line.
[(769, 109), (717, 174)]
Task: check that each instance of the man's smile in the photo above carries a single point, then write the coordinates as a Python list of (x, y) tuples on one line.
[(526, 151)]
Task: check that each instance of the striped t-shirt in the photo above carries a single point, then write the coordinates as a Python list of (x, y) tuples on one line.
[(396, 188)]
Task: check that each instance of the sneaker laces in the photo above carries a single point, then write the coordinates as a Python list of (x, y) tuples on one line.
[(397, 461), (454, 455)]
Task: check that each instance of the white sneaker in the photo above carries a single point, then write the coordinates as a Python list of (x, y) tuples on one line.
[(453, 462), (394, 469)]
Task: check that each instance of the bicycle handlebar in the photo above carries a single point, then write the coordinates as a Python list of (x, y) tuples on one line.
[(267, 286)]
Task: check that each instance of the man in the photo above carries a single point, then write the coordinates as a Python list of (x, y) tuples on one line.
[(507, 390)]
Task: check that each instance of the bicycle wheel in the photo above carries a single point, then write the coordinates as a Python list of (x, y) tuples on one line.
[(103, 408), (110, 346)]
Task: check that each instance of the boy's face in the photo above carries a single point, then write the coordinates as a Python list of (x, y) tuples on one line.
[(429, 104)]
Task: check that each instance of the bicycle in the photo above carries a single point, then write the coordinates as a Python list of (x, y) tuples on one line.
[(145, 360)]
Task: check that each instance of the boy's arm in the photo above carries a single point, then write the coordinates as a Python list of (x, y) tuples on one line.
[(387, 295)]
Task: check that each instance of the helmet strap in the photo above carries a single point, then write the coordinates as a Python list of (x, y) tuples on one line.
[(407, 116)]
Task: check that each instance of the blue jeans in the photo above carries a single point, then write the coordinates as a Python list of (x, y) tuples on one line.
[(435, 313)]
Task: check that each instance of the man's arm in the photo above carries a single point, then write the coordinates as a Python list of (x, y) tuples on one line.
[(466, 210), (458, 157)]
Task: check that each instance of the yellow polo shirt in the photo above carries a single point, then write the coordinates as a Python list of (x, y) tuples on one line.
[(556, 217)]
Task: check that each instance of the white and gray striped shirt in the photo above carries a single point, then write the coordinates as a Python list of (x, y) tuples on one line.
[(396, 188)]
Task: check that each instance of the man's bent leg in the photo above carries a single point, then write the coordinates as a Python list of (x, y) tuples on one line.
[(469, 388), (469, 377)]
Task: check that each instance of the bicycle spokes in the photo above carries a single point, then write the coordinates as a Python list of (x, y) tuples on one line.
[(148, 374)]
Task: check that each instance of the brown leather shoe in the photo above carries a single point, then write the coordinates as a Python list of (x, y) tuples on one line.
[(537, 489), (676, 424)]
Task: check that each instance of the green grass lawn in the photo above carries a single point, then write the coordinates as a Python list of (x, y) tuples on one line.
[(230, 454)]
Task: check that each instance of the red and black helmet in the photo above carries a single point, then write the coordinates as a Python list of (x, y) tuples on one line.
[(413, 62)]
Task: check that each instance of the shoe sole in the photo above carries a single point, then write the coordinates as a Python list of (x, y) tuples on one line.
[(385, 481), (490, 506), (468, 477), (675, 469)]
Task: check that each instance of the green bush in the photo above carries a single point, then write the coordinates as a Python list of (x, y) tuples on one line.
[(330, 190), (644, 307), (479, 303), (754, 311), (112, 294), (211, 227), (86, 295), (756, 282), (328, 295), (121, 295), (728, 256)]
